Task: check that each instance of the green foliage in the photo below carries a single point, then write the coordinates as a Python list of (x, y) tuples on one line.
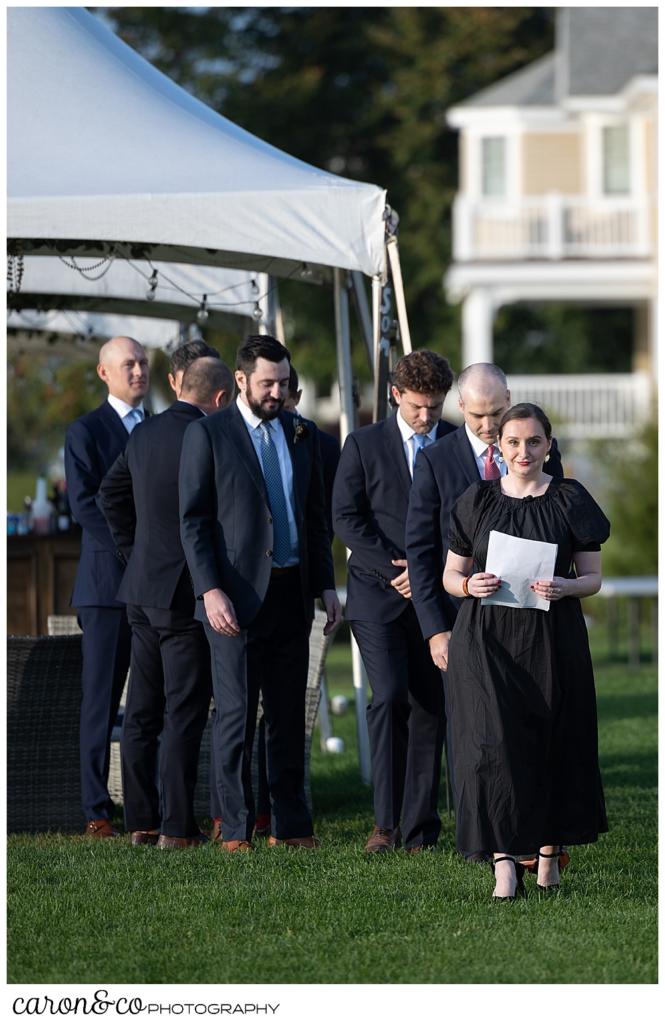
[(633, 508), (554, 338)]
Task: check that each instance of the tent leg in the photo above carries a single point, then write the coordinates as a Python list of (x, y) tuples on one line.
[(346, 425), (345, 375), (362, 309), (396, 274)]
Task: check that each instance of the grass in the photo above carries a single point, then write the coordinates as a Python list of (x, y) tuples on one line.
[(336, 916)]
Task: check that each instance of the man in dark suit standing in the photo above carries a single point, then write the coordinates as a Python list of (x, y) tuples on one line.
[(182, 357), (254, 534), (443, 473), (92, 444), (170, 685), (405, 718)]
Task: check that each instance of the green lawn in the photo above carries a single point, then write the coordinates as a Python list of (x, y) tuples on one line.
[(82, 912)]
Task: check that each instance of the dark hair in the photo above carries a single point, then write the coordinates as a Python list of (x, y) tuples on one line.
[(526, 411), (423, 371), (185, 354), (260, 346), (293, 382), (204, 377)]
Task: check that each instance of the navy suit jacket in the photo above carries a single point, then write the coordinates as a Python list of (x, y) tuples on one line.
[(225, 519), (139, 498), (443, 472), (92, 444), (370, 502)]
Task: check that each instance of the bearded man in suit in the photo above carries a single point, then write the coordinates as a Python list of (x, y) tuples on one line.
[(253, 529), (170, 685), (405, 718), (92, 444)]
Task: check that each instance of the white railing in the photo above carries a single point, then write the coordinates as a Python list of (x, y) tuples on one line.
[(607, 405), (550, 227)]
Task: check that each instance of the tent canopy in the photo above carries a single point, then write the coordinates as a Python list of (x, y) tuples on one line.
[(122, 286), (106, 154), (54, 332)]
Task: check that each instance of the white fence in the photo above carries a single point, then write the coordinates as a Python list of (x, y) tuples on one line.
[(610, 405), (550, 227)]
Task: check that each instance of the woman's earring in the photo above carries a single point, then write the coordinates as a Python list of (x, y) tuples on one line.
[(547, 457), (500, 456)]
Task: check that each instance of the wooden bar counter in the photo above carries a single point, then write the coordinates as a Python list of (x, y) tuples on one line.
[(40, 580)]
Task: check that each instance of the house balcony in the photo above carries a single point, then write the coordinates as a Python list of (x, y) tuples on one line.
[(588, 406), (551, 227)]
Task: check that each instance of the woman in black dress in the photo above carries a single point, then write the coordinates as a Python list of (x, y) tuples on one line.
[(520, 695)]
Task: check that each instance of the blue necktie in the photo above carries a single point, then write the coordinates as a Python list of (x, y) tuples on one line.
[(419, 441), (133, 418), (281, 547)]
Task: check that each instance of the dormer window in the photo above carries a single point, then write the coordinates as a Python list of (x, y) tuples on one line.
[(493, 166), (616, 160)]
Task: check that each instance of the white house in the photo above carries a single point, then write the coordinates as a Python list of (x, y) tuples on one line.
[(557, 203)]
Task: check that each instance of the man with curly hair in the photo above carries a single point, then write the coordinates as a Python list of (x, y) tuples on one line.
[(405, 717)]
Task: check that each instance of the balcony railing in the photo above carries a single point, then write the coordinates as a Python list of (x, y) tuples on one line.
[(588, 406), (553, 227)]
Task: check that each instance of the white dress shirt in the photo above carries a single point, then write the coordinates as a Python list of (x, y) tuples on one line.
[(479, 448), (407, 433), (253, 424)]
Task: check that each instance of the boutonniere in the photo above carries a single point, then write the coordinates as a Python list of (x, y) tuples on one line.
[(300, 430)]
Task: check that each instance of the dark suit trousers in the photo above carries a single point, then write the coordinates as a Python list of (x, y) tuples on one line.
[(269, 657), (105, 648), (166, 713), (406, 726)]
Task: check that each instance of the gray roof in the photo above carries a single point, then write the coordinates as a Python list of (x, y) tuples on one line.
[(598, 50)]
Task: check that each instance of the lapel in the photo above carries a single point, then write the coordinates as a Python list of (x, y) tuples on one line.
[(238, 434), (466, 456), (395, 450), (108, 415)]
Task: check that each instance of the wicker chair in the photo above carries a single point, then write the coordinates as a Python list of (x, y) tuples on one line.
[(43, 700)]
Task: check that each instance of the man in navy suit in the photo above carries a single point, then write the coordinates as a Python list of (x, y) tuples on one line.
[(170, 684), (443, 473), (254, 534), (405, 718), (92, 444)]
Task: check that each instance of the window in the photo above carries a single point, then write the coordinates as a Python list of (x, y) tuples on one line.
[(616, 160), (494, 166)]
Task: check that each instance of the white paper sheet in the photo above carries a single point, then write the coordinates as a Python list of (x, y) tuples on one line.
[(518, 563)]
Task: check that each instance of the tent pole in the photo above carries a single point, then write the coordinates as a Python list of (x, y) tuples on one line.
[(396, 273), (362, 309), (346, 425)]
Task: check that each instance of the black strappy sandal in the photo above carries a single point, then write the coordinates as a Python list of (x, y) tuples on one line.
[(519, 887), (549, 856)]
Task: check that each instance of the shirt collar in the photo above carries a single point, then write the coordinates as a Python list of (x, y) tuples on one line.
[(479, 447), (124, 408), (251, 419), (408, 432)]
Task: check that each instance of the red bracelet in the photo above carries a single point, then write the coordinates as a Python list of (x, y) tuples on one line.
[(465, 586)]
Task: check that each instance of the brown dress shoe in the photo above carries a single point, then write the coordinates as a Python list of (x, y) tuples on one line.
[(306, 842), (236, 846), (100, 828), (421, 849), (216, 833), (145, 837), (382, 840), (180, 842)]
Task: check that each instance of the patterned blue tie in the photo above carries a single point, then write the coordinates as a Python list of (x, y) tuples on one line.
[(419, 441), (281, 547), (133, 418)]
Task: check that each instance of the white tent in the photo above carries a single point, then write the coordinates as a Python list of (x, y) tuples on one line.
[(58, 331), (147, 289), (105, 152)]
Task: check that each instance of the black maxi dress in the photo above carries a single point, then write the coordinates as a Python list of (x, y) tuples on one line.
[(520, 698)]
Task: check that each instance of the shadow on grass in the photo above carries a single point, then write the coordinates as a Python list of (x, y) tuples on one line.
[(626, 705), (637, 771)]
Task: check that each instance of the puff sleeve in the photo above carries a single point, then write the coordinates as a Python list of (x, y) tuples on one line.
[(588, 523), (464, 519)]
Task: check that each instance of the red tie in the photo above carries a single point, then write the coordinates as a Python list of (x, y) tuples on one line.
[(490, 469)]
